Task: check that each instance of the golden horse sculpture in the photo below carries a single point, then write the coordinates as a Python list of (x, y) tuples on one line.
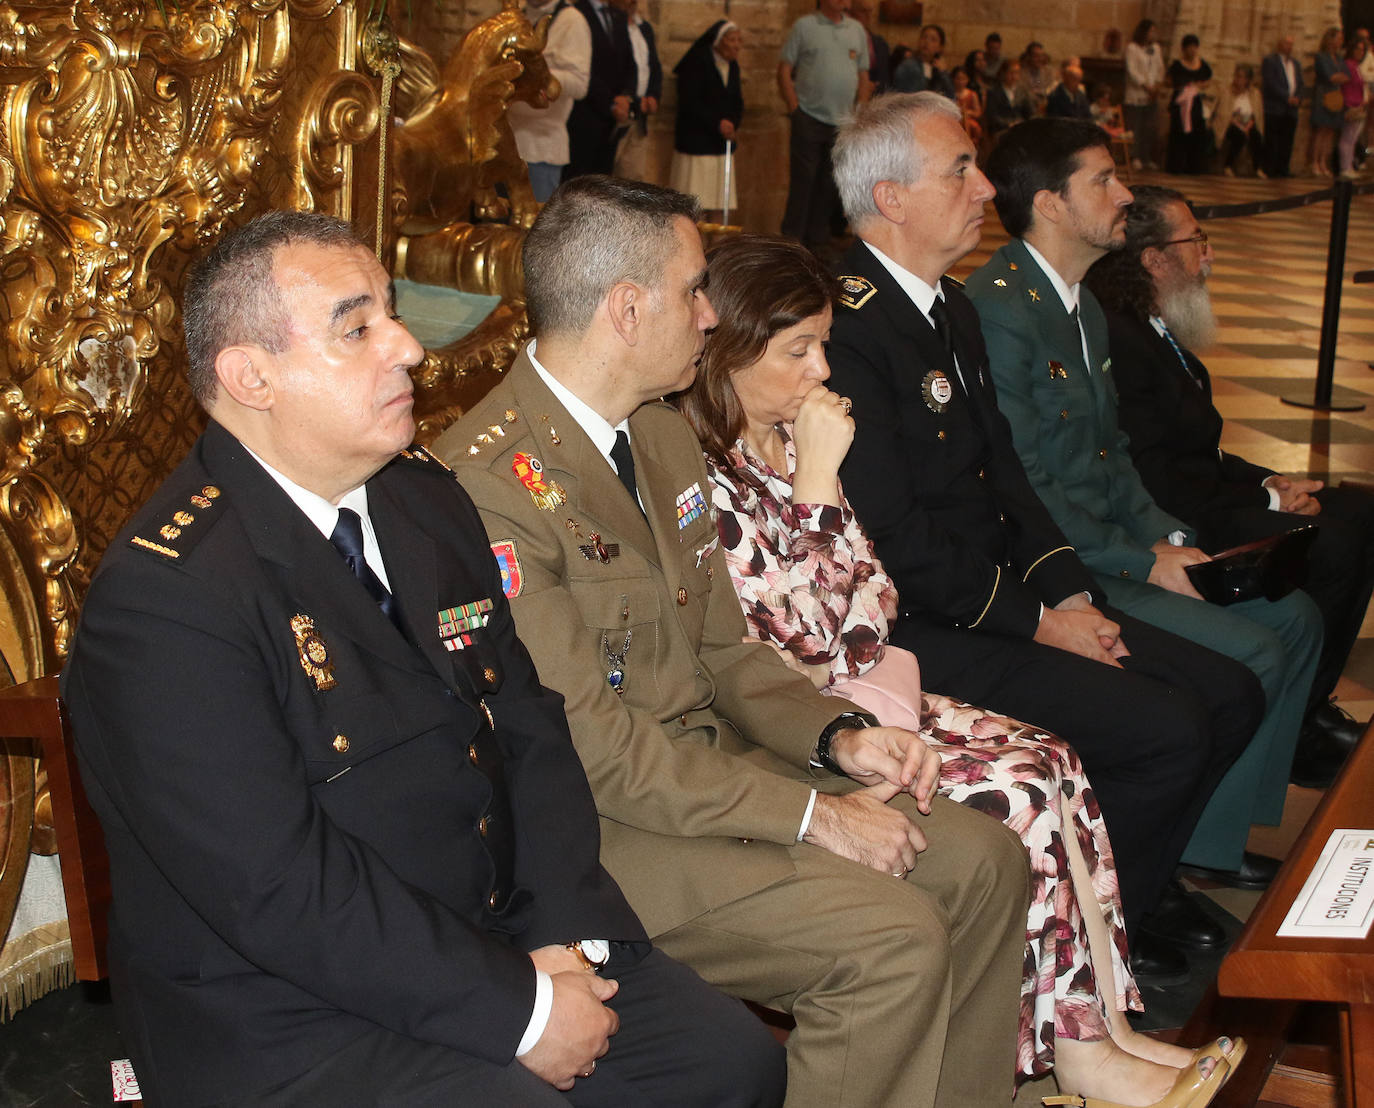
[(500, 60)]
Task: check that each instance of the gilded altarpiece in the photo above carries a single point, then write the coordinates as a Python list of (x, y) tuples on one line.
[(131, 135)]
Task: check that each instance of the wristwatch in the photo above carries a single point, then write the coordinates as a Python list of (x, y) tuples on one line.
[(592, 953), (850, 721)]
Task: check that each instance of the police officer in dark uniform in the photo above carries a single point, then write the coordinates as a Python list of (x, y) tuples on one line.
[(353, 852), (993, 600)]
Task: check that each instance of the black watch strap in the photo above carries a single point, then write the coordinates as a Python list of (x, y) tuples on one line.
[(850, 721)]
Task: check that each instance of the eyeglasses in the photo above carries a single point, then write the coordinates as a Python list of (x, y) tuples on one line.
[(1200, 238)]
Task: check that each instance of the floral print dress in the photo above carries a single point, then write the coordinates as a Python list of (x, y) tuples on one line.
[(809, 582)]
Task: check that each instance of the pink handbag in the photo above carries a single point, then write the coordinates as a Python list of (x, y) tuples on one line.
[(891, 689)]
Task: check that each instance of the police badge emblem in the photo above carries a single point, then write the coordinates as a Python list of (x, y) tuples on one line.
[(314, 654), (937, 390)]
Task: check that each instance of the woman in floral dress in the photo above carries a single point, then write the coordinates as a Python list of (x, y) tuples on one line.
[(811, 587)]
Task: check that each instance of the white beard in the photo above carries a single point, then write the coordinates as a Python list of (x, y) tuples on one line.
[(1187, 310)]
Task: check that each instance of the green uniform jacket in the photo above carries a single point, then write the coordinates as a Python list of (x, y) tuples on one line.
[(1063, 417), (700, 765)]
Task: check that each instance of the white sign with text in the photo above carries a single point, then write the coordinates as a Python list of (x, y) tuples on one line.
[(1337, 900)]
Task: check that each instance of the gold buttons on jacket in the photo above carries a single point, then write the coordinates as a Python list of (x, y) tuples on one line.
[(940, 435), (341, 743), (1063, 413), (494, 899), (482, 826), (982, 475), (681, 595), (1125, 573), (1102, 454), (682, 719), (472, 754)]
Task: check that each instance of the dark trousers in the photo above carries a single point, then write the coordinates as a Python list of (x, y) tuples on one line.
[(811, 195), (1340, 566), (1278, 143), (1236, 140), (1155, 736), (680, 1043)]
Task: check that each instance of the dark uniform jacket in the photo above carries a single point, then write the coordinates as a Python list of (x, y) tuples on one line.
[(932, 473), (313, 830), (591, 126), (1175, 433)]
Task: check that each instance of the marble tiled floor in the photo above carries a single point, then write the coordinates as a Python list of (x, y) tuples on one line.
[(1267, 284)]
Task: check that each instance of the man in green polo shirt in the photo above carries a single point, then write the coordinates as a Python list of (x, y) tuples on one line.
[(824, 69)]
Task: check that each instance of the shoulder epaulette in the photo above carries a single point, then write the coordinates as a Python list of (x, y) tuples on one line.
[(421, 455), (185, 527), (493, 433), (855, 292)]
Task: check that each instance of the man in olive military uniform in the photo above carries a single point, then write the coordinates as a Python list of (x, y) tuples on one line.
[(729, 789), (992, 598), (353, 855), (1060, 200)]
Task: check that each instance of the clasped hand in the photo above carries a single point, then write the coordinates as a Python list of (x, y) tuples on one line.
[(580, 1025), (860, 825)]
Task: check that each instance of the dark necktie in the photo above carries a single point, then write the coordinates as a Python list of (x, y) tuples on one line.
[(625, 466), (348, 541), (939, 315)]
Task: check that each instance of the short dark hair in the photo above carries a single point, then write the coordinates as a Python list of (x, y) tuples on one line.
[(231, 296), (1119, 279), (760, 285), (1039, 154), (1190, 40), (937, 29), (594, 232), (993, 37)]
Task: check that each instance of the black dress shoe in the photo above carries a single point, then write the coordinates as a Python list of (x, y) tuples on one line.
[(1256, 872), (1317, 759), (1179, 920), (1156, 964), (1338, 725)]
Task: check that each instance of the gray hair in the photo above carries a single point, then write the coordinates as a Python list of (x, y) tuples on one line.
[(594, 233), (231, 296), (876, 144)]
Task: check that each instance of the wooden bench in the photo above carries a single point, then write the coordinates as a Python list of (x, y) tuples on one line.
[(1262, 965)]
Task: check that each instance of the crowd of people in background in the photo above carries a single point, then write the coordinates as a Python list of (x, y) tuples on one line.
[(605, 56)]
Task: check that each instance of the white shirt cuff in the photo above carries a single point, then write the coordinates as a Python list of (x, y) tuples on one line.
[(539, 1018), (806, 818), (1273, 497)]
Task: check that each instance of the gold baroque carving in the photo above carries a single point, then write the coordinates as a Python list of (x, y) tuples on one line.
[(341, 112)]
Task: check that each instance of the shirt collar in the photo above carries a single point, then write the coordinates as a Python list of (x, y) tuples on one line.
[(1069, 295), (317, 509), (921, 294), (592, 423)]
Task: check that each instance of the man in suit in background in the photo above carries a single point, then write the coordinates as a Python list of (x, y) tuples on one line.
[(1059, 198), (1159, 311), (1068, 99), (354, 856), (1281, 88), (601, 116), (764, 833), (992, 599)]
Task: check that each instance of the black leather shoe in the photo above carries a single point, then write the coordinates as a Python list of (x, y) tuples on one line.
[(1317, 759), (1256, 872), (1179, 920), (1156, 964), (1338, 725)]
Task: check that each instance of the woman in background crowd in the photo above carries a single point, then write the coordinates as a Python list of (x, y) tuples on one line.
[(1355, 109), (970, 103), (811, 587), (976, 66), (1239, 121), (1189, 138), (1328, 99), (1144, 77), (709, 107)]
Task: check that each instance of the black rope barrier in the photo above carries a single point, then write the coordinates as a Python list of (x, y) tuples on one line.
[(1340, 194)]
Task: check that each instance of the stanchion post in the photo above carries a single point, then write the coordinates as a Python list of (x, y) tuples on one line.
[(1331, 308)]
